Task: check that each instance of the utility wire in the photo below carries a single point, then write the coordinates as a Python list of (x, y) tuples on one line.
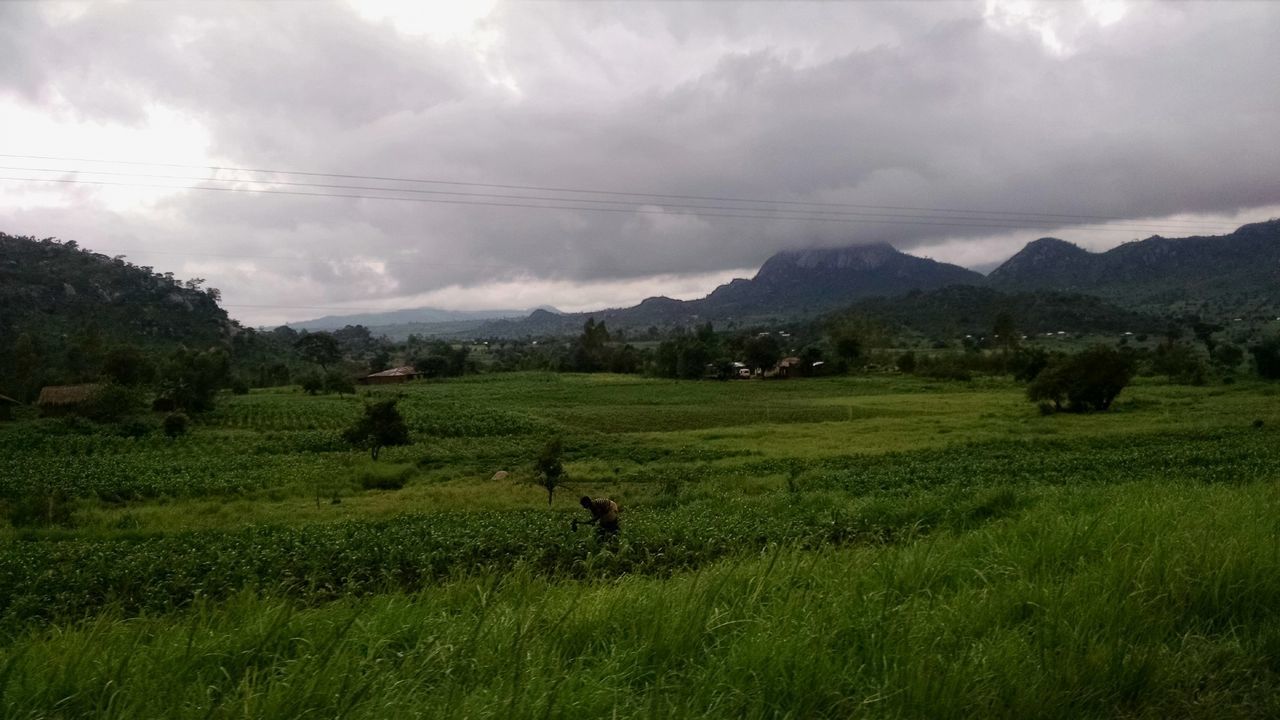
[(629, 211), (1007, 222), (1015, 215)]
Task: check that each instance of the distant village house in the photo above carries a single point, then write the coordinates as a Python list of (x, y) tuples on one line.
[(392, 376)]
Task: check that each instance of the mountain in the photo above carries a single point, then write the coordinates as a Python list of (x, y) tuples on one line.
[(807, 282), (1212, 275), (789, 285), (413, 316)]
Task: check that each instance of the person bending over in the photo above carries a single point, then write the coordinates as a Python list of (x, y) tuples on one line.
[(604, 515)]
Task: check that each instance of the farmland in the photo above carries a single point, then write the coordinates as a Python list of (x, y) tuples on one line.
[(879, 545)]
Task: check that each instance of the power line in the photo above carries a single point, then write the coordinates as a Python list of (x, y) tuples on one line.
[(1006, 222), (989, 225), (1012, 215)]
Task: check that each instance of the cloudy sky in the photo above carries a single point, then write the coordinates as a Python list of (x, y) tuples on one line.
[(480, 155)]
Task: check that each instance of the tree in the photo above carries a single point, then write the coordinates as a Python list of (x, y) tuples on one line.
[(1004, 332), (549, 468), (320, 348), (190, 379), (128, 365), (762, 351), (380, 426), (1179, 362), (1227, 356), (1090, 380), (312, 382), (1266, 358), (339, 382)]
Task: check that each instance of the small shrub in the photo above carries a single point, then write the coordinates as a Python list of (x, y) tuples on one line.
[(385, 477), (1257, 424), (175, 425), (239, 387), (134, 428), (113, 402), (46, 509)]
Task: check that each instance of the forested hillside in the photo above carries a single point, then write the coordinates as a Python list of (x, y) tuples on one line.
[(1217, 277), (60, 306)]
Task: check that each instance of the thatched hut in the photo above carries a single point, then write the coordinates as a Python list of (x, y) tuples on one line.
[(7, 404), (64, 399)]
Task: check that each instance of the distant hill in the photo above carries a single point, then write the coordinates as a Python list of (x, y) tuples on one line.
[(51, 289), (63, 307), (789, 285), (391, 320), (1220, 275), (807, 282)]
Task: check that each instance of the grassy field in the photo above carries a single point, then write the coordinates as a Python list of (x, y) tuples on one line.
[(874, 546)]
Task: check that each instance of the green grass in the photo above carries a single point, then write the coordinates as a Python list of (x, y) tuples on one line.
[(878, 546), (1143, 600)]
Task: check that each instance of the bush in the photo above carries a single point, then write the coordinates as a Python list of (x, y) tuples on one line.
[(239, 387), (312, 383), (384, 477), (336, 381), (907, 362), (1266, 358), (175, 425), (46, 509), (135, 428), (381, 425), (113, 402), (1180, 363), (1088, 381)]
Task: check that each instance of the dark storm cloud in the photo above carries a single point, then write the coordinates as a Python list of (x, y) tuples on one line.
[(1169, 109)]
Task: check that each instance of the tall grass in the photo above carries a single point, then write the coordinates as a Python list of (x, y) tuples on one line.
[(1142, 600)]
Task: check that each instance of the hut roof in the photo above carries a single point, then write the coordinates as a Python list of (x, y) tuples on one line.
[(396, 372), (66, 394)]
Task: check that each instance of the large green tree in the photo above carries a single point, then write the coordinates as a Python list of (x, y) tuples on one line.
[(380, 426)]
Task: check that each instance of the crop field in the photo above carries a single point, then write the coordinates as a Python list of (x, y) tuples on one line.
[(869, 546)]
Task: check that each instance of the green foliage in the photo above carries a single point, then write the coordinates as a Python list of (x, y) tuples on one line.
[(190, 379), (128, 365), (49, 288), (906, 362), (311, 383), (44, 507), (320, 348), (762, 351), (385, 476), (1180, 363), (549, 467), (113, 402), (337, 381), (1087, 381), (175, 425), (1266, 358), (380, 426)]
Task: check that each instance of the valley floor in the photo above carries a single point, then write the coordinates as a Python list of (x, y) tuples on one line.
[(866, 546)]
